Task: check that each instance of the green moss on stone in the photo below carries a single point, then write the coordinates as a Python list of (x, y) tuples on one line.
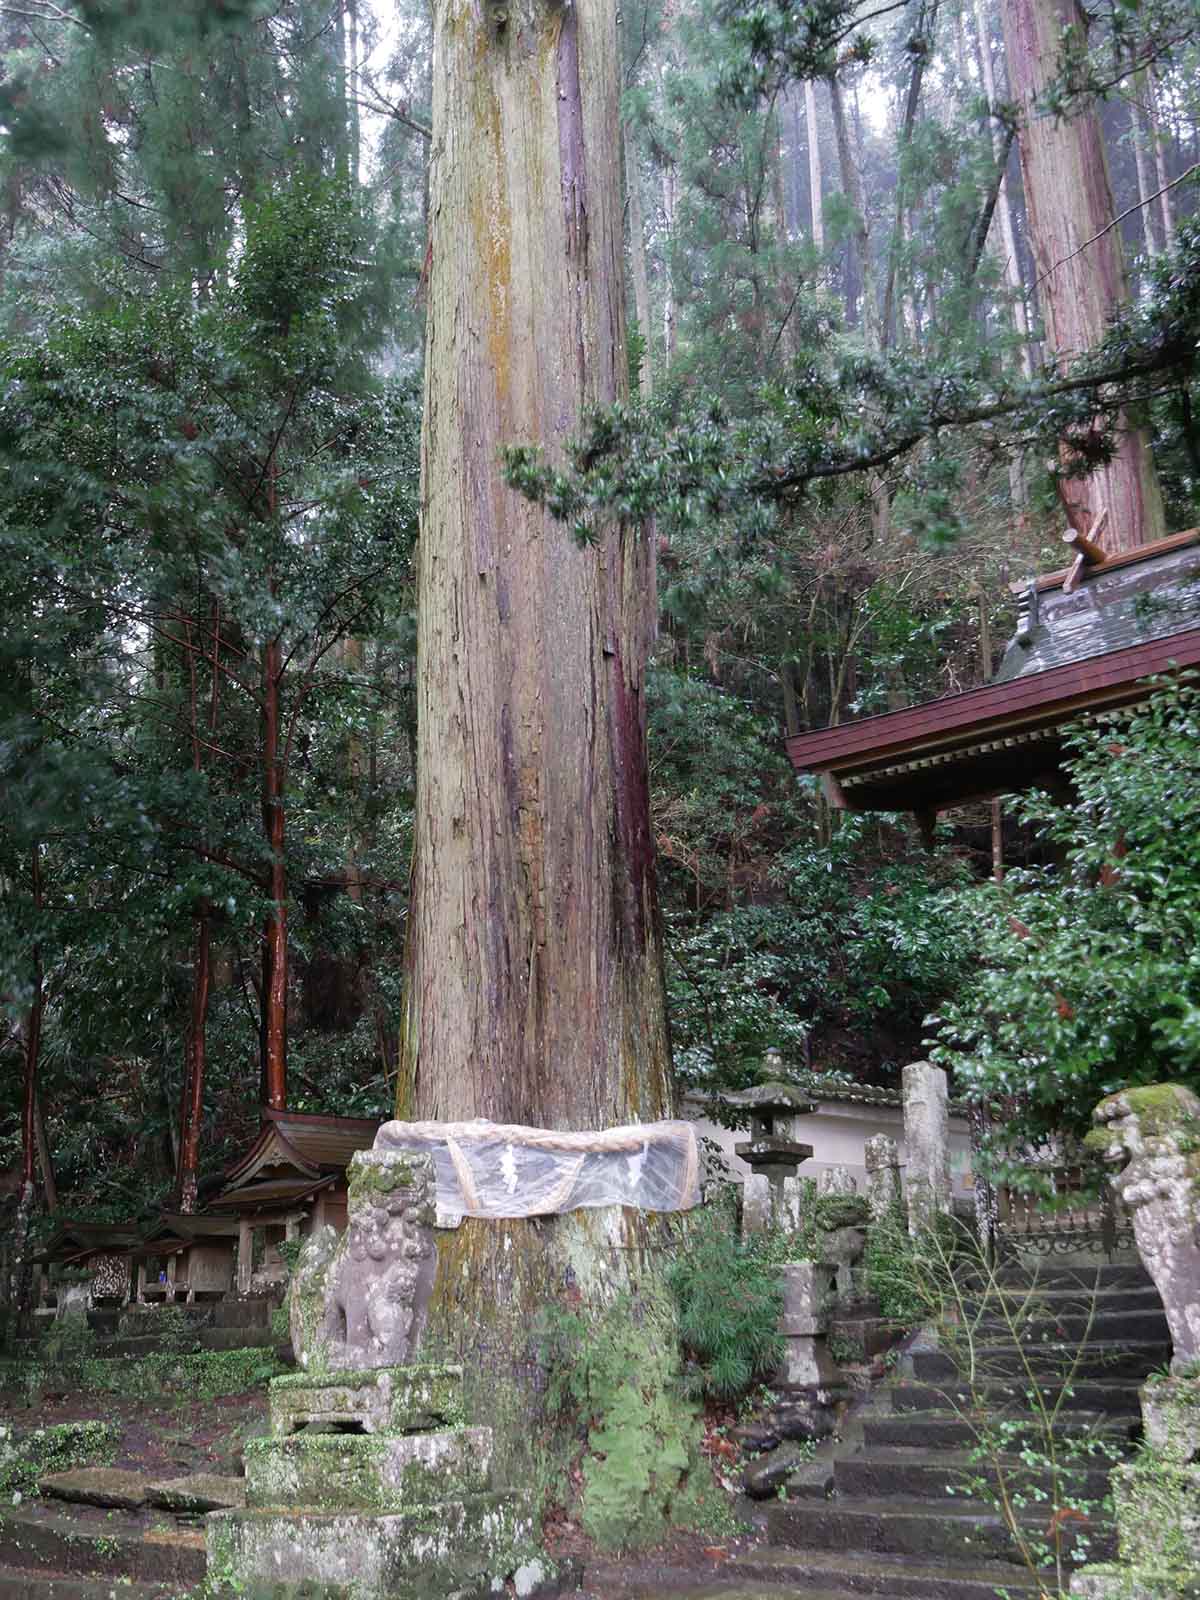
[(57, 1448)]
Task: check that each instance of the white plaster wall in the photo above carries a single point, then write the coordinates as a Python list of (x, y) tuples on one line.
[(837, 1131)]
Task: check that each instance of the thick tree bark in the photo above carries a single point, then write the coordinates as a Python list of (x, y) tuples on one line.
[(1080, 268), (534, 986)]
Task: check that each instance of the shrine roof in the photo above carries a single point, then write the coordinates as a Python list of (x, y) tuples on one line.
[(1087, 643), (75, 1239), (294, 1144), (271, 1194)]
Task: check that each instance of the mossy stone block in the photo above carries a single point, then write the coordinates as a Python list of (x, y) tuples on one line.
[(375, 1472), (1158, 1514), (419, 1553), (384, 1399)]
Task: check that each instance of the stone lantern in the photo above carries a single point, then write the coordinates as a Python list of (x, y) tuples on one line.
[(773, 1152)]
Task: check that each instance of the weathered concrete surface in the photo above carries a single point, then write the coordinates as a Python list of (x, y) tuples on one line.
[(1156, 1131), (927, 1139)]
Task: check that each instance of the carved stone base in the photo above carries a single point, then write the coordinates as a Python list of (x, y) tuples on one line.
[(387, 1399)]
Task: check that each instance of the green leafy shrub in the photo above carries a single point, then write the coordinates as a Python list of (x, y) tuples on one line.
[(1088, 979), (641, 1471), (729, 1301)]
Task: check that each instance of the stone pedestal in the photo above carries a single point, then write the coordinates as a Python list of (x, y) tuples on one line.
[(403, 1507), (371, 1483), (927, 1138), (1157, 1503)]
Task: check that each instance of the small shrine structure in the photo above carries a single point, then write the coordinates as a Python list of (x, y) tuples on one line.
[(289, 1183), (1089, 640)]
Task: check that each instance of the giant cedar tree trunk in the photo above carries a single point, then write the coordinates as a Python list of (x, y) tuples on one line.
[(534, 986), (1080, 268)]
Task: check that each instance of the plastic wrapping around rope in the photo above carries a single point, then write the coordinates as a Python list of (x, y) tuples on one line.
[(487, 1169)]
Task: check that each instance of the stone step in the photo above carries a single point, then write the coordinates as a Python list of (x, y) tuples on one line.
[(883, 1473), (889, 1576), (1114, 1398), (1145, 1298), (26, 1583), (146, 1344), (961, 1529), (951, 1430), (108, 1545), (1062, 1275), (1077, 1326), (1111, 1361)]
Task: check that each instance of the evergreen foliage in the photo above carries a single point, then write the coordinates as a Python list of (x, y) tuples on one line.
[(1086, 977)]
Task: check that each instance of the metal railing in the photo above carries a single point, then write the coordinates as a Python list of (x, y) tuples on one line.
[(1074, 1208)]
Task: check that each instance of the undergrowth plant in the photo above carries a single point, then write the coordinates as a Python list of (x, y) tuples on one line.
[(729, 1302)]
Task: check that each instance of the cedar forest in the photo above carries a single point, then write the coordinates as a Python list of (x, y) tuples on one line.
[(858, 396)]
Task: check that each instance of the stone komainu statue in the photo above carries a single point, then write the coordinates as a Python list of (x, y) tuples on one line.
[(1156, 1131), (359, 1300)]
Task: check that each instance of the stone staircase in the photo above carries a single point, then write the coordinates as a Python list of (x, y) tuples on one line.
[(889, 1510)]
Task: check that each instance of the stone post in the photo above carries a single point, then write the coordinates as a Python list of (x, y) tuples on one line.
[(881, 1157), (806, 1360), (927, 1137)]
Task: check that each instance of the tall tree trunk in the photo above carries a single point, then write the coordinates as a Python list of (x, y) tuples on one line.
[(922, 46), (1004, 216), (1158, 142), (534, 985), (670, 330), (274, 939), (1139, 130), (859, 229), (45, 1157), (1081, 270), (816, 215), (195, 1061), (637, 251), (20, 1285)]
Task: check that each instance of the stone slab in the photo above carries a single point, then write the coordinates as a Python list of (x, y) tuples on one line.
[(386, 1399), (97, 1486), (367, 1471), (419, 1553), (197, 1491)]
